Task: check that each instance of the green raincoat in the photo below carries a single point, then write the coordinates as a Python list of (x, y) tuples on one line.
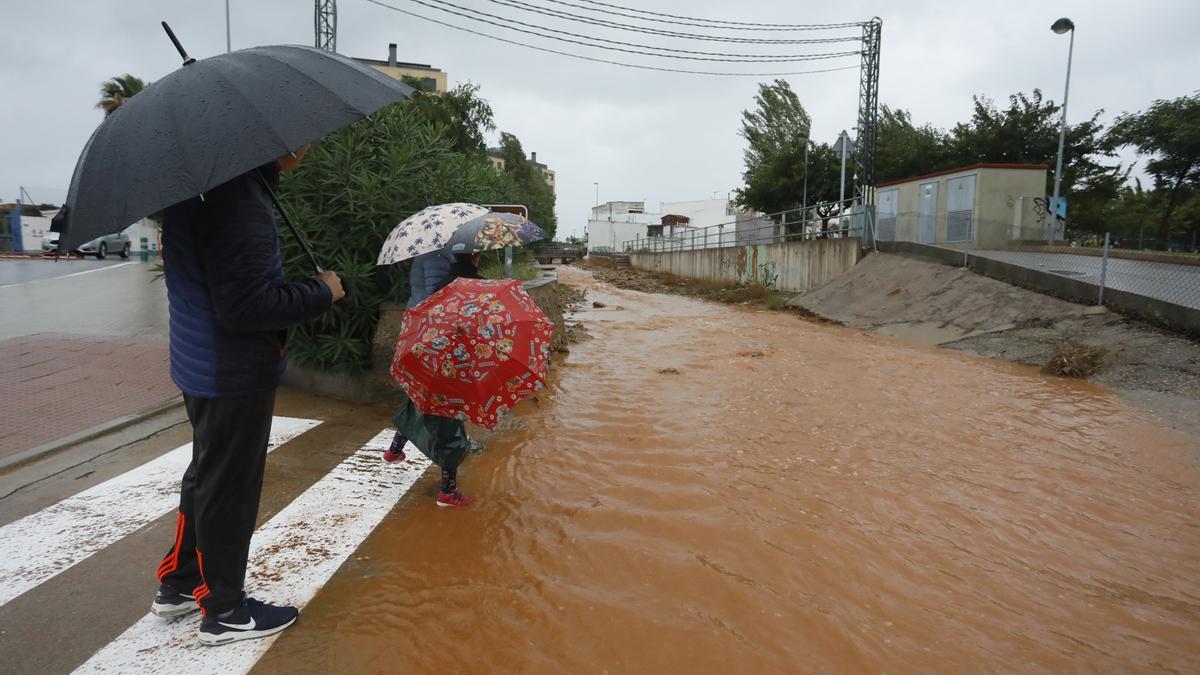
[(442, 439)]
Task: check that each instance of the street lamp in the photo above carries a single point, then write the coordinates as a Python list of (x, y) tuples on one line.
[(1063, 25)]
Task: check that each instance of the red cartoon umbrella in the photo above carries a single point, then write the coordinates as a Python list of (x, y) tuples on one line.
[(473, 350)]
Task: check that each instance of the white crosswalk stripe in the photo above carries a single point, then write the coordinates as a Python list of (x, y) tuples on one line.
[(291, 557), (44, 544)]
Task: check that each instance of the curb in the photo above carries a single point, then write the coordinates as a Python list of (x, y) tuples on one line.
[(27, 456)]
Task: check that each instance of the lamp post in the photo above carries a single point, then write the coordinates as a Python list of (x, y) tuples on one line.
[(1063, 25)]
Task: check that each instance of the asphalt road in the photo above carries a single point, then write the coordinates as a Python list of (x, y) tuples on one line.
[(1179, 284), (85, 297), (14, 272)]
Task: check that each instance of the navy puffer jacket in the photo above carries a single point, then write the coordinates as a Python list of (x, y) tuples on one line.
[(230, 306)]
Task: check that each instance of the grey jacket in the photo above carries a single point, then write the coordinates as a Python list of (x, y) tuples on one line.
[(430, 272)]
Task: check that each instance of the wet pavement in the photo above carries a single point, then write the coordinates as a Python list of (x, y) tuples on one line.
[(82, 345), (83, 297), (1179, 284), (20, 271), (796, 497)]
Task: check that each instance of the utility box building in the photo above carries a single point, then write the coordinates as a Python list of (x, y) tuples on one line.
[(980, 206)]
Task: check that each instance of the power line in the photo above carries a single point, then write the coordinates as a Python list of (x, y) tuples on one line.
[(712, 23), (599, 60), (537, 9), (469, 13)]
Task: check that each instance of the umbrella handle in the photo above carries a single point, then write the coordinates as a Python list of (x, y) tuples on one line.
[(347, 287)]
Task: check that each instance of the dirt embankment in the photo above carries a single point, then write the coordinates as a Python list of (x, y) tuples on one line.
[(718, 291), (958, 309)]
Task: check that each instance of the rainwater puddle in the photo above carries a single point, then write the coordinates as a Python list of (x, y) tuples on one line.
[(797, 498)]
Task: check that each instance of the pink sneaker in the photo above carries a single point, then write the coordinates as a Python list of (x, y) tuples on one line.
[(395, 452), (455, 498)]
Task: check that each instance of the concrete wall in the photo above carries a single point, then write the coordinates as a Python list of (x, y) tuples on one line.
[(792, 266)]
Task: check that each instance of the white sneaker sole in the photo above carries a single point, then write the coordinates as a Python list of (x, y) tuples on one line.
[(172, 611), (210, 640)]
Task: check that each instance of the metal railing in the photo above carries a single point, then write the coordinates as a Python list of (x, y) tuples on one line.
[(833, 220)]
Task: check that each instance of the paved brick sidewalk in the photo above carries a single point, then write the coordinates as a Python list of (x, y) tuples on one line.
[(54, 385)]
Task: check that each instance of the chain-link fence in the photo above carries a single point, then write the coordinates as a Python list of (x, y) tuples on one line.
[(832, 220), (1168, 277)]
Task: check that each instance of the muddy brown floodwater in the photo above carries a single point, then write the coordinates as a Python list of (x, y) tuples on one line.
[(798, 498)]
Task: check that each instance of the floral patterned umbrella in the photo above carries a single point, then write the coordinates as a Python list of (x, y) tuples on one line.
[(427, 230), (473, 350), (493, 231)]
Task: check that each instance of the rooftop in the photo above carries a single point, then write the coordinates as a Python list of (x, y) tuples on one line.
[(397, 64), (961, 169)]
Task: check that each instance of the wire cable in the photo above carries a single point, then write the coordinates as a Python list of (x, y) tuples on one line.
[(712, 23), (468, 13), (559, 14), (593, 59)]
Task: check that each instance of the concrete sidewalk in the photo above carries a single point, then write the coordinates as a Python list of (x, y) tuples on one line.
[(57, 387)]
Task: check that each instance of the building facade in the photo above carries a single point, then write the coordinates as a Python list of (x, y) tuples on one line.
[(433, 78), (976, 206), (496, 157)]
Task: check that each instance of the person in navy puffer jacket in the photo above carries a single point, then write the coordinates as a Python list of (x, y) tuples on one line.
[(230, 308)]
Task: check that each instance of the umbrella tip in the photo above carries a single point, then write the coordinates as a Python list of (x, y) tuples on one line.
[(187, 60)]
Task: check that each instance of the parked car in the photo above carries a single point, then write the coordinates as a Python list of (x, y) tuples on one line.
[(100, 247)]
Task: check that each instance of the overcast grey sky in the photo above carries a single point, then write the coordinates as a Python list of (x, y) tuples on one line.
[(639, 134)]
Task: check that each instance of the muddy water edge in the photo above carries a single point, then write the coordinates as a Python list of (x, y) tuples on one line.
[(795, 498)]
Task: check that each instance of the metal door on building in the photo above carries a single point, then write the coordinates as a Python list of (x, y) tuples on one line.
[(927, 213), (960, 209), (889, 202)]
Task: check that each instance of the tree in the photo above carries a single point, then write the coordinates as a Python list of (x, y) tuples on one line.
[(904, 150), (534, 192), (353, 187), (1168, 133), (776, 132), (115, 91), (1026, 132), (467, 116)]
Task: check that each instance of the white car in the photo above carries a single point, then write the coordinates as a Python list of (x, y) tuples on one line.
[(100, 247)]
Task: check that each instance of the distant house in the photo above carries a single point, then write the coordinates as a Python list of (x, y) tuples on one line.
[(433, 78), (700, 223), (496, 156)]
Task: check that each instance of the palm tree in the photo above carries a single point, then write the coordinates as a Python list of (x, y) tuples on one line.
[(116, 91)]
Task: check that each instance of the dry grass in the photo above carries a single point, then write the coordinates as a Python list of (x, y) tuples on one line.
[(1075, 359)]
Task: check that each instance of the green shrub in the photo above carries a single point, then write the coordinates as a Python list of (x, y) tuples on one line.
[(351, 190)]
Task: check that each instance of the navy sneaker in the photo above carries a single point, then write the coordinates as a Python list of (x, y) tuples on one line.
[(253, 619), (170, 603)]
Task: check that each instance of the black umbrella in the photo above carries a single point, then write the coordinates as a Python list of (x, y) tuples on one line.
[(210, 121)]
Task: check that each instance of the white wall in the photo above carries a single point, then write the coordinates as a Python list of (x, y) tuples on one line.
[(33, 228), (613, 234), (603, 211)]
